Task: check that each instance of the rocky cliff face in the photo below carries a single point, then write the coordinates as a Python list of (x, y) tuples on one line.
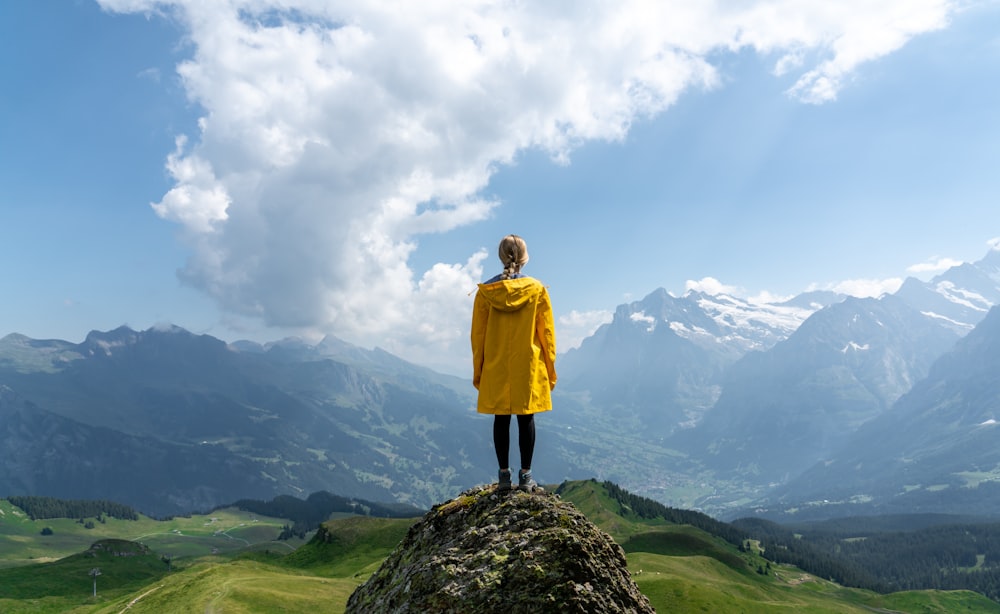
[(490, 551)]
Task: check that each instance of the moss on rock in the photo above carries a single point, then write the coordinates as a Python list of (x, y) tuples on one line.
[(512, 552)]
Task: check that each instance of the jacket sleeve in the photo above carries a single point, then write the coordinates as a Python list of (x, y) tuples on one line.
[(480, 316), (545, 330)]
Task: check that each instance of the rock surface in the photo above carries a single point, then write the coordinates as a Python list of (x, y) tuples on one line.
[(491, 551)]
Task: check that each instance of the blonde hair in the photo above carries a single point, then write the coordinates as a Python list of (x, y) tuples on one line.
[(513, 253)]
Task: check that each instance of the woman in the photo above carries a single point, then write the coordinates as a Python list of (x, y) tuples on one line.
[(513, 357)]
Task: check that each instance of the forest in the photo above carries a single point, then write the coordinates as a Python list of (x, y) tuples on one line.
[(648, 509), (863, 553), (40, 508), (883, 554), (306, 515)]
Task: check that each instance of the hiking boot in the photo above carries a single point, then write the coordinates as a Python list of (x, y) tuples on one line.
[(526, 482), (504, 477)]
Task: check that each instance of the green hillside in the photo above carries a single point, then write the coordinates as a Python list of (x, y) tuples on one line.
[(680, 567), (686, 569), (349, 547), (223, 531)]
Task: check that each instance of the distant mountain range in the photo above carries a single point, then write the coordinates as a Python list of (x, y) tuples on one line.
[(662, 360), (749, 397), (170, 422), (799, 402), (935, 449), (820, 405)]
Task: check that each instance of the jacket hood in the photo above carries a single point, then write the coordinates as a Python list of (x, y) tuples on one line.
[(511, 294)]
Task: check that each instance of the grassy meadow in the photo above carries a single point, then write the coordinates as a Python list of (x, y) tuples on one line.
[(229, 562), (224, 531)]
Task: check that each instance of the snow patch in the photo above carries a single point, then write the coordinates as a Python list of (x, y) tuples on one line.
[(855, 346), (640, 316), (931, 314), (734, 313), (962, 297), (683, 329), (107, 346)]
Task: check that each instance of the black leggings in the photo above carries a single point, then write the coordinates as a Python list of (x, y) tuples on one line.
[(525, 439)]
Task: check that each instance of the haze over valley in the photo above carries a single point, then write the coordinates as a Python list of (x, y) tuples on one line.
[(699, 401)]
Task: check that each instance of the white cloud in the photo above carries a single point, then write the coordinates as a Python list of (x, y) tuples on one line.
[(765, 297), (153, 74), (994, 243), (863, 288), (860, 32), (336, 134), (933, 265), (711, 286), (574, 327), (199, 200)]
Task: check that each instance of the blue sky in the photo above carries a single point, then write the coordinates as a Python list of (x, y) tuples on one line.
[(348, 168)]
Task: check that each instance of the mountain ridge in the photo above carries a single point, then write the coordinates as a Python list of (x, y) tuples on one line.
[(934, 450), (289, 423), (706, 401), (744, 421)]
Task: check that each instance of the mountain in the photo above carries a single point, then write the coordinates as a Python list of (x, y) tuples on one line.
[(789, 407), (959, 297), (169, 421), (697, 400), (659, 363), (45, 453), (724, 400), (802, 402), (934, 451)]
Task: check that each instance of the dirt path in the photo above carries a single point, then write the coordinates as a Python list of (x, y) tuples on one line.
[(136, 600)]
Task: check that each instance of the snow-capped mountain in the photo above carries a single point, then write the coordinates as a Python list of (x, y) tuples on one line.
[(961, 296), (659, 361), (792, 406), (734, 325), (934, 450), (803, 401), (754, 394)]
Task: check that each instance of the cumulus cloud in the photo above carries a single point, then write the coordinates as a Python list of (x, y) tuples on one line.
[(863, 288), (199, 200), (711, 286), (933, 265), (336, 134), (864, 33), (765, 297), (574, 327)]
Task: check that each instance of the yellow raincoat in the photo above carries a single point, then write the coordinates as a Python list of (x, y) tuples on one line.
[(513, 347)]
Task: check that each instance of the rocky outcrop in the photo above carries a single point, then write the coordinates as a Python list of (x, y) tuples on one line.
[(491, 551)]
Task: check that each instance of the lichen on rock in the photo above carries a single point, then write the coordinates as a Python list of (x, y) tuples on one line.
[(490, 551)]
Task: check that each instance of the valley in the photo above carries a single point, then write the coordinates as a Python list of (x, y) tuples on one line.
[(679, 566), (704, 402), (818, 408)]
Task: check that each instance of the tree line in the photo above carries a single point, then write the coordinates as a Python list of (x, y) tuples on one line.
[(40, 508), (648, 509), (947, 557), (306, 515), (879, 554)]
